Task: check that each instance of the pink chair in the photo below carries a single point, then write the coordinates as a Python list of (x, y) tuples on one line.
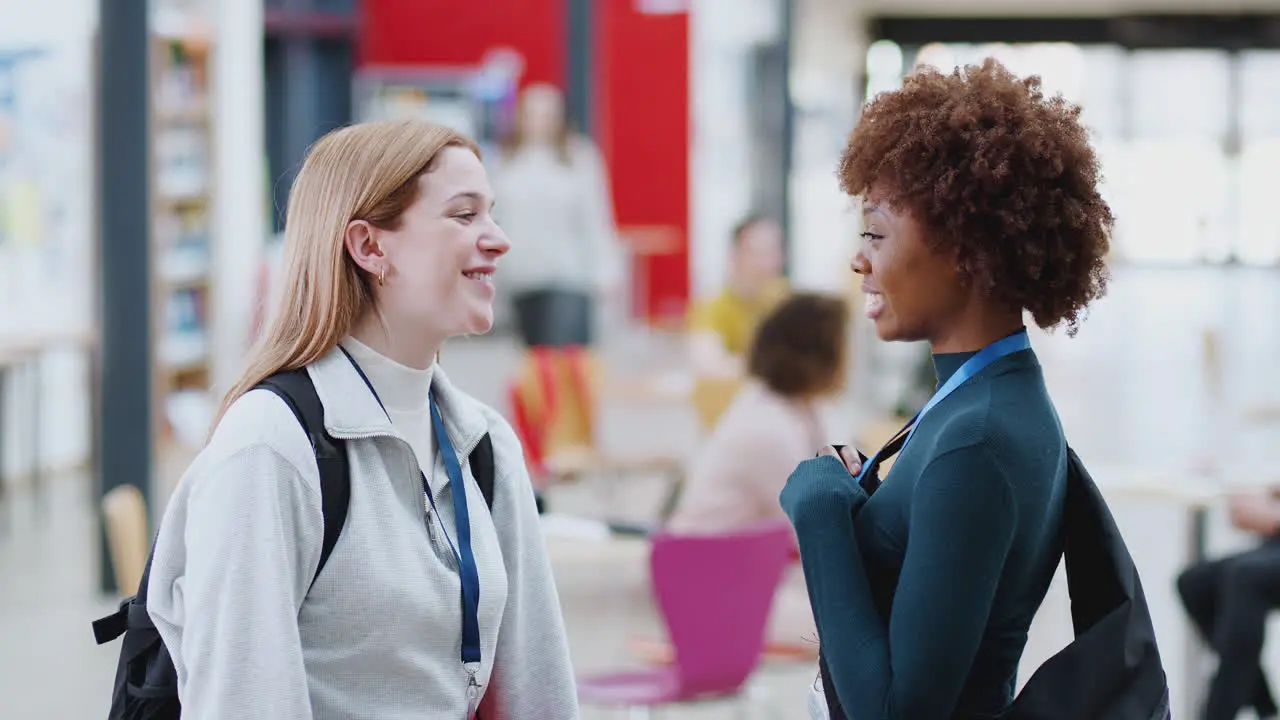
[(714, 593)]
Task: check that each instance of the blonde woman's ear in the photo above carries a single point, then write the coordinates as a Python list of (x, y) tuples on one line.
[(363, 247)]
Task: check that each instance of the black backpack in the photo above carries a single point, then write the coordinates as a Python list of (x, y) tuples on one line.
[(146, 686), (1112, 669)]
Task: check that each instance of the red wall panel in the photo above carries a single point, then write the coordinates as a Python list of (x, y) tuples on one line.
[(641, 70), (460, 32), (642, 105)]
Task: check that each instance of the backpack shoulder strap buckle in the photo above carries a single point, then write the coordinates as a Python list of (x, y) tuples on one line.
[(106, 629)]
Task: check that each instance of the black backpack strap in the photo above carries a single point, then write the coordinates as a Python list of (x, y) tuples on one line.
[(482, 468), (110, 627), (299, 393), (871, 477)]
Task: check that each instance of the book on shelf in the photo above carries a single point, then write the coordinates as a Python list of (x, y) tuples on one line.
[(184, 342)]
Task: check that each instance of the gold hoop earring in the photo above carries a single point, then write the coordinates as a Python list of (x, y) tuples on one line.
[(382, 277)]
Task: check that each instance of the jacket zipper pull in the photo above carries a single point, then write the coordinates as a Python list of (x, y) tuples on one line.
[(473, 691)]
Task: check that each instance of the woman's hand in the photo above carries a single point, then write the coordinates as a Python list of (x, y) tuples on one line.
[(820, 490), (1254, 512), (847, 455)]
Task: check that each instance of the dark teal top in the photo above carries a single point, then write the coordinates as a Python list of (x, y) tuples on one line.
[(923, 594)]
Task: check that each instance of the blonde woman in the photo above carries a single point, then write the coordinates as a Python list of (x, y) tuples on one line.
[(390, 249)]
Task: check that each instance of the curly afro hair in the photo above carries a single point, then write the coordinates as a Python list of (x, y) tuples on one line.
[(998, 173)]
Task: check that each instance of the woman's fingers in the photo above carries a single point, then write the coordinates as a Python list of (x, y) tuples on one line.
[(846, 455), (851, 459)]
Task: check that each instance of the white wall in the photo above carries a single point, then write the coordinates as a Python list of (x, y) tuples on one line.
[(48, 283), (722, 35), (46, 271), (828, 51), (47, 20), (828, 48)]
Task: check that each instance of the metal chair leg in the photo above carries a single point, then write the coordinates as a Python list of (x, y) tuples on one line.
[(675, 489), (4, 498), (35, 395)]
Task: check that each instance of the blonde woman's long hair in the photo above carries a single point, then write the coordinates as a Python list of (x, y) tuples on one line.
[(367, 171)]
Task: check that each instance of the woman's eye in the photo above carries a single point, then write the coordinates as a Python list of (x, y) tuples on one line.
[(466, 217), (871, 236)]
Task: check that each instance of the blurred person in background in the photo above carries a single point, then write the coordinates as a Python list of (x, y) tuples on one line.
[(721, 327), (796, 361), (556, 204), (980, 205), (390, 250), (1229, 599)]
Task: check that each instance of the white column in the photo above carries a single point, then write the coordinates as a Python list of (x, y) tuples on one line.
[(722, 34), (240, 202), (829, 54), (828, 50)]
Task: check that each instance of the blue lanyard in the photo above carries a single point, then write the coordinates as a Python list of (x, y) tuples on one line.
[(974, 365), (467, 572)]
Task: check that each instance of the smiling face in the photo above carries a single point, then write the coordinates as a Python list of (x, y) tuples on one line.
[(913, 292), (437, 262)]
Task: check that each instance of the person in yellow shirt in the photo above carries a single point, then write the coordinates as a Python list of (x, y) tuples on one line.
[(721, 327)]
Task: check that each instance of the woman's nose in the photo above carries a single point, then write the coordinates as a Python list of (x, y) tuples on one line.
[(860, 264), (495, 243)]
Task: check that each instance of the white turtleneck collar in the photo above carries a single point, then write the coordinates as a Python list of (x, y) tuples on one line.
[(402, 389)]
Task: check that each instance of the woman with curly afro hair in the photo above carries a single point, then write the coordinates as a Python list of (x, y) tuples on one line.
[(980, 205)]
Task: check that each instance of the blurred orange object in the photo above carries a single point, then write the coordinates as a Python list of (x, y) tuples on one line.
[(553, 400), (660, 652)]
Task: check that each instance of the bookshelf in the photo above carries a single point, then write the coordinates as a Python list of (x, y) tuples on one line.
[(182, 232)]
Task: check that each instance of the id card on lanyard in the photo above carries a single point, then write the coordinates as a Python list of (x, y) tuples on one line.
[(1003, 347), (468, 575)]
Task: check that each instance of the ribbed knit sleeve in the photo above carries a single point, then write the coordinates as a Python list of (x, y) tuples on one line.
[(962, 521), (232, 565)]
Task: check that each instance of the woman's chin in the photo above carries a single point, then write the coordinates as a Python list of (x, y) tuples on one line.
[(889, 332), (480, 323)]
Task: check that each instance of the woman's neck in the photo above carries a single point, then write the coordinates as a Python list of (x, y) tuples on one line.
[(976, 332), (402, 389), (414, 349)]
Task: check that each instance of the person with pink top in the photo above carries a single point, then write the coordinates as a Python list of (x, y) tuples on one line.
[(796, 359)]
